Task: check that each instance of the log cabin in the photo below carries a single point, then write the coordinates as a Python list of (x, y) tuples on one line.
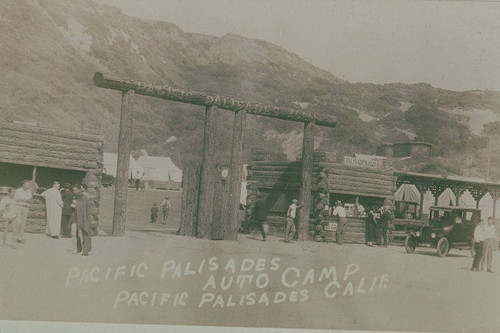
[(44, 155), (353, 184)]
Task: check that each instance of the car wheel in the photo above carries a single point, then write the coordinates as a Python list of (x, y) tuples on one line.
[(443, 246), (410, 244)]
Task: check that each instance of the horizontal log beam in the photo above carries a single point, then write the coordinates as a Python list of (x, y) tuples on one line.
[(19, 142), (48, 138), (272, 173), (49, 162), (361, 190), (332, 178), (361, 174), (203, 99), (52, 132), (63, 155), (363, 194)]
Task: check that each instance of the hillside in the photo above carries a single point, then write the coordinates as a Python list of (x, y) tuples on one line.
[(50, 50)]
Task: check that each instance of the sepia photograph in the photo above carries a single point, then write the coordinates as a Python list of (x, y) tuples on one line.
[(249, 166)]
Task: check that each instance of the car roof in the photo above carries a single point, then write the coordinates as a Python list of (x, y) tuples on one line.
[(454, 208)]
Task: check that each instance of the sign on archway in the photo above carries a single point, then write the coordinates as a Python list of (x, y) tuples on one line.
[(203, 213)]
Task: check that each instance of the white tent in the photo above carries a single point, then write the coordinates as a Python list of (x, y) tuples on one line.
[(158, 168), (407, 192), (110, 162)]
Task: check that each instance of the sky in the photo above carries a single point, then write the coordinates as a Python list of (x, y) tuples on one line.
[(448, 44)]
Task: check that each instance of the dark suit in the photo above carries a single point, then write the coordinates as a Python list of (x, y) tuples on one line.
[(371, 224), (81, 216), (259, 215), (67, 197), (383, 224)]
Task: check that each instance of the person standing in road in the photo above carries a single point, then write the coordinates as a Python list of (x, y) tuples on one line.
[(371, 225), (154, 213), (165, 209), (67, 198), (144, 182), (80, 227), (489, 243), (23, 195), (259, 215), (53, 204), (339, 212), (291, 214), (383, 223), (137, 180), (479, 236)]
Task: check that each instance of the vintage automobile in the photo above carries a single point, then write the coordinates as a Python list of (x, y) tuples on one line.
[(449, 227)]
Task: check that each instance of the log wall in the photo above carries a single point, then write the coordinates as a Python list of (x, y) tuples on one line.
[(328, 176), (63, 155)]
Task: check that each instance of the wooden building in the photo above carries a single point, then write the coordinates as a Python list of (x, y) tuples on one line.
[(356, 186), (44, 155)]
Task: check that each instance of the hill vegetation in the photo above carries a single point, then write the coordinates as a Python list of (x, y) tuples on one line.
[(51, 49)]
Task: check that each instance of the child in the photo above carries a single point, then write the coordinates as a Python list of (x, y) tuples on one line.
[(8, 209), (154, 213)]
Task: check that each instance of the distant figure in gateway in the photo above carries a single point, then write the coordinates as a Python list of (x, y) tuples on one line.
[(137, 180), (291, 216), (154, 212), (165, 208)]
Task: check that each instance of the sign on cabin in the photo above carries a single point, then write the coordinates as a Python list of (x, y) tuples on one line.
[(366, 163)]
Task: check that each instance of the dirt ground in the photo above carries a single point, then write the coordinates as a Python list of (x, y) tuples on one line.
[(384, 288)]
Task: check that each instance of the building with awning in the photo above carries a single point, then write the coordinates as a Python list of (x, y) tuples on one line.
[(451, 190)]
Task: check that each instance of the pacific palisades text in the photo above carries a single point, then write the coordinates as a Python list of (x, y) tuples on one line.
[(231, 283)]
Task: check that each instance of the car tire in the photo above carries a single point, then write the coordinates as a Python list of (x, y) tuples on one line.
[(443, 247), (410, 244)]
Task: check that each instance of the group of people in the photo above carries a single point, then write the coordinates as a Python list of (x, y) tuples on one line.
[(484, 244), (164, 209), (68, 214), (377, 223)]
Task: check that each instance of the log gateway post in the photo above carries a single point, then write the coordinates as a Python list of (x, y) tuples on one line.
[(205, 214), (123, 164), (306, 181)]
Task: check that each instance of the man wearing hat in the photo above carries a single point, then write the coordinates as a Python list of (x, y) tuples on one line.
[(383, 222), (165, 208), (291, 214), (339, 212)]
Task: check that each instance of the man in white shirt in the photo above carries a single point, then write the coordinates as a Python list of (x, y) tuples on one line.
[(23, 196), (490, 236), (291, 214), (339, 212), (479, 236)]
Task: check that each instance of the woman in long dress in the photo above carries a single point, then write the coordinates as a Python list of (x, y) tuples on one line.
[(54, 204)]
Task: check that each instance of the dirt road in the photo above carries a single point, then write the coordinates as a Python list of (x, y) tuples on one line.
[(156, 277)]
